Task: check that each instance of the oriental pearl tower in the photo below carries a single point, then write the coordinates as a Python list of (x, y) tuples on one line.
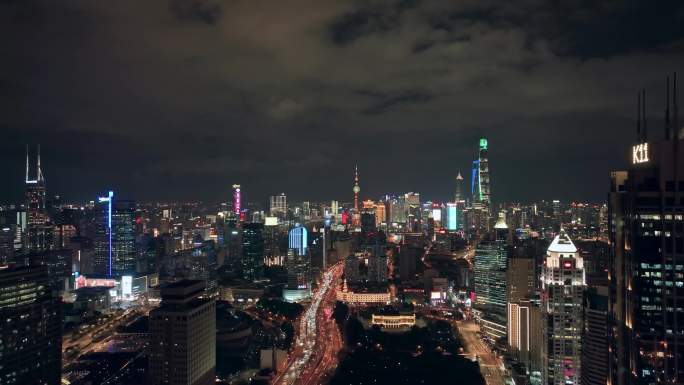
[(357, 216)]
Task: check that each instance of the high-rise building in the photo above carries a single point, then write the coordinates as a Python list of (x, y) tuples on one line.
[(115, 247), (278, 207), (237, 200), (298, 270), (298, 240), (490, 265), (525, 333), (483, 163), (183, 336), (37, 220), (356, 220), (252, 250), (563, 287), (595, 337), (646, 218), (459, 188), (31, 332)]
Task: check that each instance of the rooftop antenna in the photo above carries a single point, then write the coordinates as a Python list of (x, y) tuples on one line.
[(39, 172), (675, 120), (667, 108), (27, 163), (643, 115), (638, 126)]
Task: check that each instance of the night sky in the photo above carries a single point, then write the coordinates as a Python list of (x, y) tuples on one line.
[(163, 99)]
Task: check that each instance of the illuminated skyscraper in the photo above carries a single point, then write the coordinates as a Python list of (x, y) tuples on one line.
[(115, 253), (31, 332), (483, 171), (252, 250), (37, 229), (459, 187), (357, 215), (298, 239), (646, 221), (490, 265), (278, 207), (563, 287), (237, 200), (183, 336)]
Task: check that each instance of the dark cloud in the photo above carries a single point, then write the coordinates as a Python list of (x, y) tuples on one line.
[(207, 11), (179, 99)]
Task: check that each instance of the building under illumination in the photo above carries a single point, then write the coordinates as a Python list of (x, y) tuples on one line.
[(31, 331), (115, 247), (183, 336), (646, 211), (563, 287)]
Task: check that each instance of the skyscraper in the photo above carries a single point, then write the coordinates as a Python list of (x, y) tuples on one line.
[(646, 218), (483, 171), (252, 250), (115, 247), (459, 188), (563, 287), (298, 239), (490, 265), (356, 220), (31, 332), (37, 229), (237, 200), (278, 207), (183, 336)]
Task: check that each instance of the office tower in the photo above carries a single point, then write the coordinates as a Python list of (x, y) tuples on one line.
[(475, 186), (459, 188), (7, 236), (298, 270), (563, 289), (278, 207), (646, 211), (37, 220), (397, 209), (115, 248), (595, 337), (356, 189), (298, 240), (380, 214), (525, 332), (483, 163), (520, 278), (377, 268), (351, 269), (237, 200), (368, 226), (183, 336), (252, 251), (452, 217), (490, 264), (31, 332)]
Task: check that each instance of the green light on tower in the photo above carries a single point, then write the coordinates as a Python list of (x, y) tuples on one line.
[(483, 144)]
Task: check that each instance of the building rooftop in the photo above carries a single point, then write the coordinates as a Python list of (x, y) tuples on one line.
[(562, 244)]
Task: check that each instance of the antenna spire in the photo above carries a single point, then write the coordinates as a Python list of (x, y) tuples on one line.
[(638, 123), (39, 172), (27, 163), (675, 120), (667, 108), (643, 105)]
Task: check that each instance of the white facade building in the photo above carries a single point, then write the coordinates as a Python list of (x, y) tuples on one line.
[(563, 286)]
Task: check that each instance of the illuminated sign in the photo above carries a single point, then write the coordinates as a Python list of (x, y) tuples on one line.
[(452, 219), (483, 144), (640, 153), (126, 286), (271, 221)]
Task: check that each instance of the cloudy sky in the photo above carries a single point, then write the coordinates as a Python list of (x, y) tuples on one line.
[(162, 99)]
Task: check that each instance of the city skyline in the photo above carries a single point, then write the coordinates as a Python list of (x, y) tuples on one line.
[(212, 97)]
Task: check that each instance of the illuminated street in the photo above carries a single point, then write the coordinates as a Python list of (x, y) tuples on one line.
[(318, 339), (490, 364)]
